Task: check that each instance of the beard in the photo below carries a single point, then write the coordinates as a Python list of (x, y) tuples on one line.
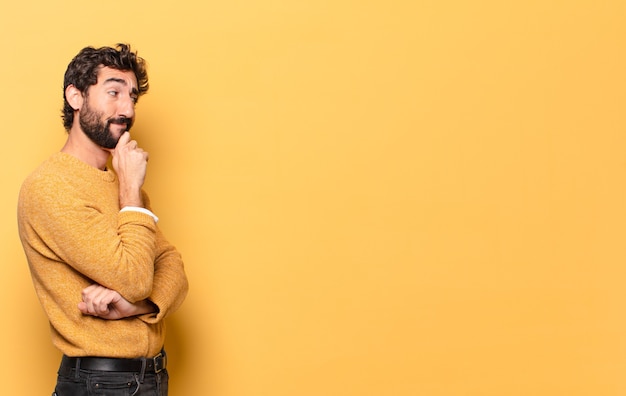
[(100, 131)]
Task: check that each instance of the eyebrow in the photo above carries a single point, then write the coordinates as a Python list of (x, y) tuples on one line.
[(121, 81)]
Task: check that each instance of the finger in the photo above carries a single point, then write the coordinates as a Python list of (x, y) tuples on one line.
[(100, 305), (89, 308), (102, 300), (82, 307), (124, 138), (89, 289), (143, 153), (90, 292), (93, 298), (86, 304)]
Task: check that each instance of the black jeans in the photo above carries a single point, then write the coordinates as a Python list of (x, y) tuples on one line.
[(108, 383)]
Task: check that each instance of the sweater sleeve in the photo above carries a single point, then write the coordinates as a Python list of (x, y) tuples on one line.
[(117, 252), (170, 285)]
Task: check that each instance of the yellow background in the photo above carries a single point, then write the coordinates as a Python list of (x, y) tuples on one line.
[(371, 197)]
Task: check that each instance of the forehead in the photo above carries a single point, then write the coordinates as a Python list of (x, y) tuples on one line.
[(107, 75)]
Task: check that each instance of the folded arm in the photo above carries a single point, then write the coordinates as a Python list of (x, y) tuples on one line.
[(108, 304)]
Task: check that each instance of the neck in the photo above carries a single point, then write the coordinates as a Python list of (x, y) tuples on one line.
[(80, 146)]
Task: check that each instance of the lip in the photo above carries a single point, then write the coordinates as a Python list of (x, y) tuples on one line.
[(123, 126)]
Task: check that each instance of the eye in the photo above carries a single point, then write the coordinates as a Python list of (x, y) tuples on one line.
[(113, 93), (134, 98)]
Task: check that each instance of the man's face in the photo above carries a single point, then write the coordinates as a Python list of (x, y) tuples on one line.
[(109, 107)]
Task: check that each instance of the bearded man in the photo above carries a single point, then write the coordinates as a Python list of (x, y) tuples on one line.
[(104, 273)]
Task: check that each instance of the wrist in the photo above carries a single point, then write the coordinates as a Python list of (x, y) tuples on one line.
[(146, 307), (130, 197)]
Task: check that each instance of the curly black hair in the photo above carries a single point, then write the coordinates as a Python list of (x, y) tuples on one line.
[(82, 72)]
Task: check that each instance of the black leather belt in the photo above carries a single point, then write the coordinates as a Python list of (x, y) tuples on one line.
[(140, 365)]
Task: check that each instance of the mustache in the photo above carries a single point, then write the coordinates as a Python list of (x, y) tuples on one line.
[(121, 121)]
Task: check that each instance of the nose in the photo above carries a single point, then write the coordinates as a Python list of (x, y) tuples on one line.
[(127, 107)]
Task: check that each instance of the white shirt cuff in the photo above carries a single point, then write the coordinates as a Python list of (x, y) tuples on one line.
[(142, 210)]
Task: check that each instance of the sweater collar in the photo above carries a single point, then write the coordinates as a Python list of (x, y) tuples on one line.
[(67, 159)]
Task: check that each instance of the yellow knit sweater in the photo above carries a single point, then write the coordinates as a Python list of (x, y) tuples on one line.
[(74, 235)]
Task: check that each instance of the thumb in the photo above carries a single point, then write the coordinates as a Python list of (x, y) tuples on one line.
[(124, 138)]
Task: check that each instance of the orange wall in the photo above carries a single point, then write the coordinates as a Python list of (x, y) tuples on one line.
[(371, 197)]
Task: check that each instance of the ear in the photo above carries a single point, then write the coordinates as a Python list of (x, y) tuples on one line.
[(74, 97)]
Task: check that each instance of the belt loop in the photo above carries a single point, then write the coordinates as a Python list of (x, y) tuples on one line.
[(77, 368), (143, 369)]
